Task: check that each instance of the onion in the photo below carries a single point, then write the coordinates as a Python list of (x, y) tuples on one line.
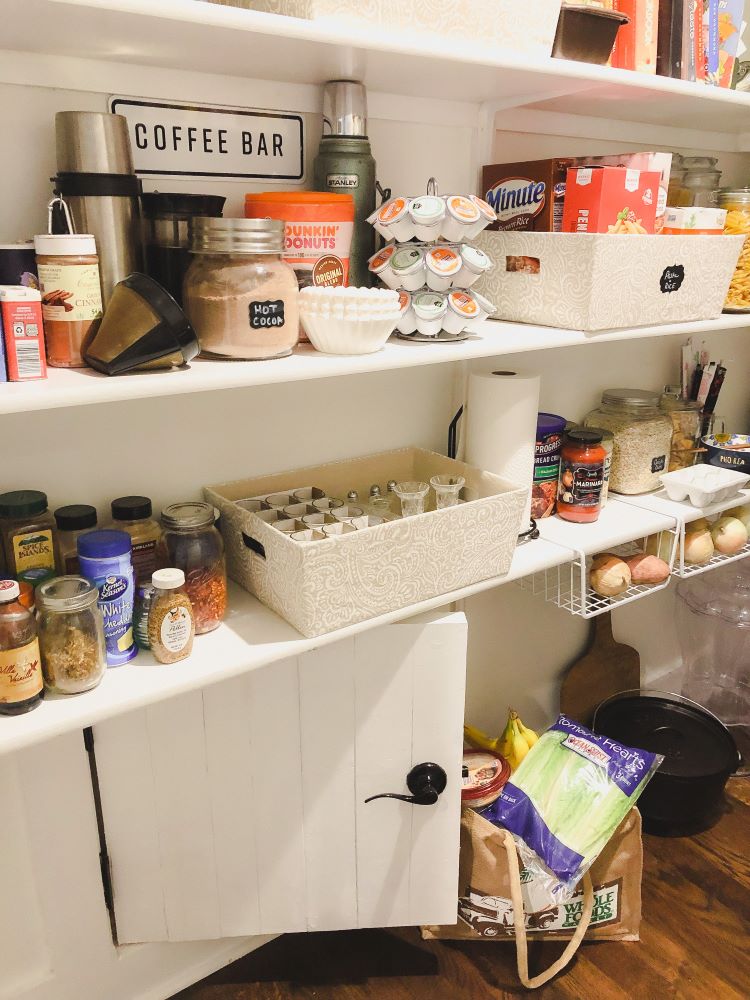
[(729, 535), (699, 546), (742, 514), (609, 575)]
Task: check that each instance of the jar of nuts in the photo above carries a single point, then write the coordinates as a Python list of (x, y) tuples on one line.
[(685, 415), (71, 634)]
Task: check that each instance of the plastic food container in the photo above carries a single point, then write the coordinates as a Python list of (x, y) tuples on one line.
[(408, 267), (407, 322), (427, 214), (462, 216), (474, 263), (486, 308), (487, 216), (393, 221), (380, 266), (462, 309), (703, 484), (484, 775), (442, 266), (586, 34), (430, 309)]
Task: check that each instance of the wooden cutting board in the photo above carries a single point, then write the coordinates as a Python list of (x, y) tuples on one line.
[(606, 668)]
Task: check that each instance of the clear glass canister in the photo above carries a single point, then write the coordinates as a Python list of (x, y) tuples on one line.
[(737, 204), (239, 295), (642, 438), (685, 415), (71, 634), (192, 543)]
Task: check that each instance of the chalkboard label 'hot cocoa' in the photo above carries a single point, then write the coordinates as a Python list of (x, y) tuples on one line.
[(266, 314)]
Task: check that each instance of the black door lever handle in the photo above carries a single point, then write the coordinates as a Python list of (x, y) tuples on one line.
[(424, 781)]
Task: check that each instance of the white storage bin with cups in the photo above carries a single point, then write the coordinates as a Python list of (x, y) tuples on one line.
[(428, 260), (323, 562)]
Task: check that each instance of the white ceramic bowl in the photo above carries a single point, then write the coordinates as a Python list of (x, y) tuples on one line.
[(703, 484)]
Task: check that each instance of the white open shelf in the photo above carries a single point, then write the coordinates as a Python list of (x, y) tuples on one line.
[(250, 638), (79, 387), (207, 38)]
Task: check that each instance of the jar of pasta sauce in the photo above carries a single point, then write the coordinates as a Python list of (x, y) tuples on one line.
[(579, 491)]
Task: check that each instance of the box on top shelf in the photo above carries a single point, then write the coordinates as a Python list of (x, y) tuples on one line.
[(319, 586), (601, 281), (530, 194), (635, 46), (696, 220), (603, 199)]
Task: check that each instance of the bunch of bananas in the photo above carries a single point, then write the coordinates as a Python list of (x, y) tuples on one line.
[(514, 743)]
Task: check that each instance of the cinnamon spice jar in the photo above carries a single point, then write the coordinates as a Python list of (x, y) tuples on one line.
[(68, 268)]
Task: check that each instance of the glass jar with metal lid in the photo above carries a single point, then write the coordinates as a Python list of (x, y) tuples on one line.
[(239, 295), (192, 543), (686, 418), (71, 634), (642, 438), (736, 201)]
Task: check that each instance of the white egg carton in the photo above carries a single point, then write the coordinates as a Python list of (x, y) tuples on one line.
[(348, 320), (427, 313), (703, 485), (440, 266), (431, 217)]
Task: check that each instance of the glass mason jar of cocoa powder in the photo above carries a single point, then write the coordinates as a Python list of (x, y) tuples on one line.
[(239, 295)]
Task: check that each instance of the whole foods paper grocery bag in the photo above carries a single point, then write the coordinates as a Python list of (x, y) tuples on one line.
[(485, 911)]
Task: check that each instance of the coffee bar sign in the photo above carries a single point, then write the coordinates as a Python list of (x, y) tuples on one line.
[(196, 140)]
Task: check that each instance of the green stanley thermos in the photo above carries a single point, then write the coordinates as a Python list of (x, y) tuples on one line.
[(344, 165)]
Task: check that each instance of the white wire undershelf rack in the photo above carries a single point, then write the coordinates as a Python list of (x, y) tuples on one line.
[(683, 569)]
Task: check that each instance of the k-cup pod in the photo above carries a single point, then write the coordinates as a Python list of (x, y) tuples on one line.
[(462, 310), (474, 263), (442, 265), (486, 308), (430, 311), (408, 267), (487, 216), (380, 266), (407, 322), (393, 221), (461, 217), (427, 214)]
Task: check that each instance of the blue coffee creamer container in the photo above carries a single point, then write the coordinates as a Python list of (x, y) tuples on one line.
[(105, 561)]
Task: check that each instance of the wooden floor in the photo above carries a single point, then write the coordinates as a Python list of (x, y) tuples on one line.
[(695, 940)]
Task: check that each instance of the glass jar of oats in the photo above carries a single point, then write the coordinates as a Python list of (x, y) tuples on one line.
[(239, 294), (642, 436)]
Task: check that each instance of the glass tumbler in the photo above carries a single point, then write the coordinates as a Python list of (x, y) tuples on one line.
[(447, 490), (412, 496)]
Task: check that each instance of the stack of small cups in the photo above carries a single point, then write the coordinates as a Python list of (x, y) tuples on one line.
[(433, 276)]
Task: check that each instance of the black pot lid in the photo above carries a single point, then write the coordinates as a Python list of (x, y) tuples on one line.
[(693, 742)]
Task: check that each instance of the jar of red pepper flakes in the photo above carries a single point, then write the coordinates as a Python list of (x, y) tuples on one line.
[(579, 488), (192, 543)]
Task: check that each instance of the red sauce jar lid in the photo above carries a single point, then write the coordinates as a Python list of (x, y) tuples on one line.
[(484, 776)]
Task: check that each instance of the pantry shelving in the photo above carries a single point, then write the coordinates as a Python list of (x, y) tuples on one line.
[(80, 387), (208, 38)]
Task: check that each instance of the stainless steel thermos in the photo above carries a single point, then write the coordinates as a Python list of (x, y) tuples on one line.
[(344, 165), (95, 177)]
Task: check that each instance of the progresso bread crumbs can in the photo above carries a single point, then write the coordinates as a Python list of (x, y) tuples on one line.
[(549, 435)]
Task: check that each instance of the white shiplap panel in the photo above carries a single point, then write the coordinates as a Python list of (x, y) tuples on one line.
[(277, 783), (327, 730), (186, 841), (128, 797), (439, 674), (383, 695), (226, 710)]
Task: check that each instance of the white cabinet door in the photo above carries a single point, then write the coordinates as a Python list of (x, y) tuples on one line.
[(241, 809)]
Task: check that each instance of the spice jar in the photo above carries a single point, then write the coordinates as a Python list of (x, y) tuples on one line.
[(171, 626), (239, 295), (105, 561), (71, 634), (579, 491), (68, 268), (133, 514), (686, 418), (28, 535), (71, 522), (21, 685), (192, 543), (737, 205), (642, 438)]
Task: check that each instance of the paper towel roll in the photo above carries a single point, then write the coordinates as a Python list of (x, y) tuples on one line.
[(501, 414)]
